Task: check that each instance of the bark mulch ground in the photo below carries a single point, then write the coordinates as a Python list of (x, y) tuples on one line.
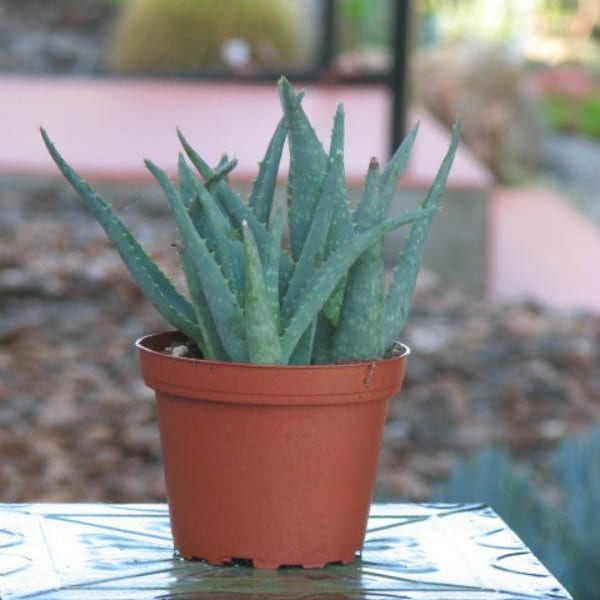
[(77, 423)]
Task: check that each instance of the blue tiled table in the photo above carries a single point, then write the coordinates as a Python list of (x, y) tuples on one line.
[(124, 552)]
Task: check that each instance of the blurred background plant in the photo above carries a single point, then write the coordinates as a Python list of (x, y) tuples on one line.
[(572, 114), (484, 84), (557, 518), (484, 60), (187, 36), (570, 99), (364, 22), (550, 31), (487, 59)]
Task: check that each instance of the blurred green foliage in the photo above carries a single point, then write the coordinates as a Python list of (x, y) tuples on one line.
[(365, 22), (580, 115), (561, 527), (487, 20)]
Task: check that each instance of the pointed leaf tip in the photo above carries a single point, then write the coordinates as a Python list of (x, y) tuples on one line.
[(286, 92)]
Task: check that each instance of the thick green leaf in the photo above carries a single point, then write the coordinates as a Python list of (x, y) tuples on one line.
[(357, 332), (213, 226), (308, 167), (374, 207), (313, 251), (190, 190), (303, 352), (211, 345), (404, 277), (357, 335), (187, 188), (219, 230), (189, 193), (237, 210), (322, 343), (153, 283), (394, 170), (312, 256), (222, 172), (262, 331), (229, 200), (263, 190), (336, 144), (272, 267), (322, 284), (341, 229), (225, 310)]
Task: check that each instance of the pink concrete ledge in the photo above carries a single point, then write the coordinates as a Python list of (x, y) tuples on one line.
[(106, 127), (542, 249)]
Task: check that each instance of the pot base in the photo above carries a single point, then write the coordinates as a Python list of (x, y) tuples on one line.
[(259, 563)]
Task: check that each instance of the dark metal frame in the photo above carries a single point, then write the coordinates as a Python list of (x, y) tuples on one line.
[(396, 79), (323, 71)]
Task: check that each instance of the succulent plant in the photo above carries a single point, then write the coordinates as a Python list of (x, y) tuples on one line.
[(251, 300)]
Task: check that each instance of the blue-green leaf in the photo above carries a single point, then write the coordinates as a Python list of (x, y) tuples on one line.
[(308, 167), (225, 310), (154, 284), (404, 277), (322, 284), (262, 332), (313, 251), (263, 191)]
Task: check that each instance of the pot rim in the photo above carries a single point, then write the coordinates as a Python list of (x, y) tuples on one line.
[(280, 385), (141, 345)]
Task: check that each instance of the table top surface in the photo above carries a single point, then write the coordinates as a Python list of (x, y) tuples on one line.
[(125, 552)]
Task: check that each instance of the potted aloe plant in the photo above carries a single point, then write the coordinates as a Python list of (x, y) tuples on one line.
[(272, 393)]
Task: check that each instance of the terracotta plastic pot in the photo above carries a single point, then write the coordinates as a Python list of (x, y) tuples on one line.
[(268, 463)]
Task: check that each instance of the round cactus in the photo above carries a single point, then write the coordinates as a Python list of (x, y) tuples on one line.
[(191, 35)]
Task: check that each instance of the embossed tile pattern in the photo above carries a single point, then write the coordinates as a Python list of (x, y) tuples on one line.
[(125, 552)]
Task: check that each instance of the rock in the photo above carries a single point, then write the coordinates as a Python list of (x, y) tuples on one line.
[(430, 338), (484, 85), (62, 36)]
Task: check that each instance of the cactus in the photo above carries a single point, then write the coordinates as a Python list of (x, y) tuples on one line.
[(248, 299), (188, 36)]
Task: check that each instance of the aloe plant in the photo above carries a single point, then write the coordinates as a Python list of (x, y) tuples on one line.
[(250, 300)]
